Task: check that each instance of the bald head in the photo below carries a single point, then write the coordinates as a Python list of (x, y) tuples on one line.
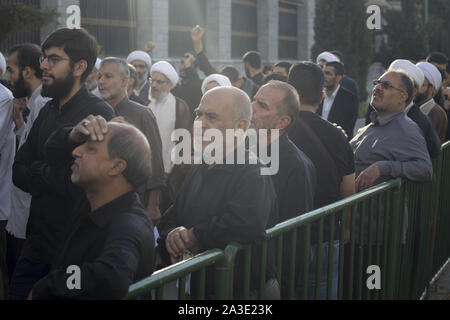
[(126, 142), (231, 103)]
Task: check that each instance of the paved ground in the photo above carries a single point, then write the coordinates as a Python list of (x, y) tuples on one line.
[(441, 289)]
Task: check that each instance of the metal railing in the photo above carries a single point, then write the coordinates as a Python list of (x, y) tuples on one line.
[(400, 227)]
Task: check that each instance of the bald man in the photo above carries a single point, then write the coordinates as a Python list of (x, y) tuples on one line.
[(220, 203), (110, 241)]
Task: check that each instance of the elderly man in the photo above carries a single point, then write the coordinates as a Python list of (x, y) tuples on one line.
[(91, 81), (220, 203), (109, 243), (171, 113), (392, 145), (424, 98), (412, 110), (275, 106), (112, 80), (143, 63)]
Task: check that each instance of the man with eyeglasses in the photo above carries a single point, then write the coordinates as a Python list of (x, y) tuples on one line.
[(68, 58), (392, 145)]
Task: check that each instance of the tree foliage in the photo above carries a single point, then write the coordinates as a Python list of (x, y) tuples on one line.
[(14, 17), (437, 27), (341, 25), (406, 35)]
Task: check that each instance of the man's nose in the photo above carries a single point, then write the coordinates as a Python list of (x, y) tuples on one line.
[(78, 151)]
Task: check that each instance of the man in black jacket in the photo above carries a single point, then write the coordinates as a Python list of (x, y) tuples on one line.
[(68, 58), (220, 203), (110, 241), (340, 106)]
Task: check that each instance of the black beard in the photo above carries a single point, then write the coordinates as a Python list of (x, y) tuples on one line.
[(421, 98), (20, 89), (60, 88)]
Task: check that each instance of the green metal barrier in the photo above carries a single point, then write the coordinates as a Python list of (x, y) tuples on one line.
[(400, 226)]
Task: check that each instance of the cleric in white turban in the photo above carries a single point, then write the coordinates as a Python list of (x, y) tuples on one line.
[(143, 63), (171, 112), (410, 69), (215, 80), (326, 57), (167, 70), (432, 74)]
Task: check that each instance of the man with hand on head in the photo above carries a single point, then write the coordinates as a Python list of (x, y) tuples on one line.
[(110, 239), (68, 58)]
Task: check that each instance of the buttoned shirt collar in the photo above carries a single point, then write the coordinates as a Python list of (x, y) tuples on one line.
[(381, 121)]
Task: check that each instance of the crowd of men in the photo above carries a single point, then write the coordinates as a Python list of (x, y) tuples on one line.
[(88, 179)]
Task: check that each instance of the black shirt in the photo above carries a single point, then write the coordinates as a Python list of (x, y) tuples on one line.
[(295, 183), (143, 119), (338, 147), (46, 178), (258, 79), (223, 204), (113, 246)]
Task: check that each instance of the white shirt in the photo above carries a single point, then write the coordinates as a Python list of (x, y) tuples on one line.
[(7, 150), (328, 103), (20, 201), (427, 106)]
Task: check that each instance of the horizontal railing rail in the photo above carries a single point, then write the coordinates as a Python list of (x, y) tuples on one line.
[(399, 226)]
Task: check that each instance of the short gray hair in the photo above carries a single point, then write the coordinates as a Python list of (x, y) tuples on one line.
[(290, 105), (123, 65), (125, 144), (242, 110)]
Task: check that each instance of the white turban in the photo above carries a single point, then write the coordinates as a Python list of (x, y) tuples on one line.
[(328, 57), (166, 69), (220, 79), (97, 63), (140, 55), (409, 68), (2, 64), (431, 73)]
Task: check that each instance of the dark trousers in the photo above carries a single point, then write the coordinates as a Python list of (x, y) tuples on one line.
[(14, 248), (25, 276), (3, 267)]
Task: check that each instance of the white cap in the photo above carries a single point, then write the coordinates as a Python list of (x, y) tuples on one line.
[(219, 78), (140, 55), (2, 64), (166, 69), (97, 63), (410, 69), (432, 73), (328, 57)]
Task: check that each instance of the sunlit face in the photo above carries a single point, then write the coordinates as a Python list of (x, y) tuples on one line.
[(389, 100), (57, 76), (331, 78), (214, 112), (141, 70), (265, 108), (15, 77), (111, 81), (322, 64), (92, 163), (160, 86)]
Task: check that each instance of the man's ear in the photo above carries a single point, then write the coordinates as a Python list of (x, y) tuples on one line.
[(27, 73), (118, 167), (79, 68), (284, 122)]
